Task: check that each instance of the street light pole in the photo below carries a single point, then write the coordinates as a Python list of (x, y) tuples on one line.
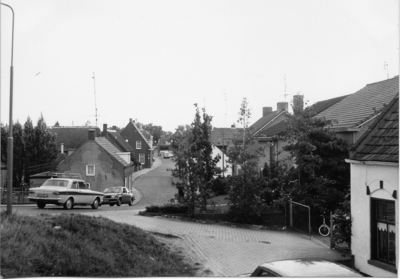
[(10, 140)]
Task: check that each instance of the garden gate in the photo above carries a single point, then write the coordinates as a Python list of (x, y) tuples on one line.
[(300, 217)]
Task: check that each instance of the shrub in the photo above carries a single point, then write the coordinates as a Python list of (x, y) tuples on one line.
[(219, 186), (168, 209)]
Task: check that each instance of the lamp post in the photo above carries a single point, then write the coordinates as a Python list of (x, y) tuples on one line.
[(10, 140)]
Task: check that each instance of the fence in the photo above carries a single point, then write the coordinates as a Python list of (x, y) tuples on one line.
[(18, 197), (299, 217)]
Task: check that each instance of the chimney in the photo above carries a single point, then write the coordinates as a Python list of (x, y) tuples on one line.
[(105, 130), (282, 106), (62, 148), (91, 134), (266, 110), (298, 104), (130, 119)]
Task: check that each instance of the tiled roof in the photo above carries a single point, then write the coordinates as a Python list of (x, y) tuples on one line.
[(110, 149), (121, 141), (223, 136), (381, 141), (320, 106), (265, 120), (273, 130), (72, 137), (361, 105)]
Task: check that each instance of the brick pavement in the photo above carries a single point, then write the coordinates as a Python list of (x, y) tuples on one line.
[(225, 250)]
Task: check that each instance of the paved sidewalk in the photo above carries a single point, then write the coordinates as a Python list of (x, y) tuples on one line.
[(225, 250)]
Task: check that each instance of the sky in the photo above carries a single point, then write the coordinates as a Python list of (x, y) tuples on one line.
[(153, 60)]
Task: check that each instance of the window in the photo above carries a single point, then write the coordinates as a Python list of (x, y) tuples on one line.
[(138, 145), (90, 170), (383, 231), (141, 158)]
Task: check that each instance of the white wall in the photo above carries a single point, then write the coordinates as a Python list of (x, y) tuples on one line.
[(224, 158), (371, 175), (126, 156)]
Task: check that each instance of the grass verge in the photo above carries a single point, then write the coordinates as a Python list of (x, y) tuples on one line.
[(78, 245)]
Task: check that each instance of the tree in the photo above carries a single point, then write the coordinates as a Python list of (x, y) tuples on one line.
[(155, 131), (320, 176), (19, 153), (57, 124), (194, 165), (246, 189), (4, 144)]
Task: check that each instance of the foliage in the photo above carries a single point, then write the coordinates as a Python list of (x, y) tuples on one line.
[(342, 220), (57, 124), (219, 186), (155, 131), (32, 146), (247, 188), (69, 245), (319, 176), (194, 165), (169, 208)]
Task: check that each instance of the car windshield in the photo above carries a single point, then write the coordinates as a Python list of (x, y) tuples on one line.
[(113, 190), (56, 182)]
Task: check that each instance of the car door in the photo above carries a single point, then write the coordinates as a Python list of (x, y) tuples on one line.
[(75, 192), (125, 195), (85, 194)]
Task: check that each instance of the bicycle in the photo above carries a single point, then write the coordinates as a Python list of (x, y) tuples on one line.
[(324, 229)]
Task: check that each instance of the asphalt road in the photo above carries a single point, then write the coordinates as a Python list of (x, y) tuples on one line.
[(155, 186)]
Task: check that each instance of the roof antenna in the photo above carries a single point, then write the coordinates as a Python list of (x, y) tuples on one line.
[(285, 94), (386, 67), (95, 102)]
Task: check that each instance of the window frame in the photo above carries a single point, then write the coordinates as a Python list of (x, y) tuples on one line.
[(138, 144), (374, 257), (142, 155), (87, 170)]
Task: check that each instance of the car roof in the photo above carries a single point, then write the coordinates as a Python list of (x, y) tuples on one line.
[(310, 268)]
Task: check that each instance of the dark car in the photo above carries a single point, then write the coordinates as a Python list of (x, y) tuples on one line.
[(118, 195), (304, 268)]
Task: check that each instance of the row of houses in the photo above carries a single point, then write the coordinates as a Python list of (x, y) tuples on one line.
[(368, 120), (103, 158)]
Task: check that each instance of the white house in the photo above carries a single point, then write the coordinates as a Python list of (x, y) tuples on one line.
[(223, 162), (374, 195)]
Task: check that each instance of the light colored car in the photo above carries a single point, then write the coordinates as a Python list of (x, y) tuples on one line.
[(67, 192), (118, 195), (304, 268)]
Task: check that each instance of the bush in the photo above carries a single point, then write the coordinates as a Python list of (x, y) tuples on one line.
[(219, 186), (342, 220), (168, 209)]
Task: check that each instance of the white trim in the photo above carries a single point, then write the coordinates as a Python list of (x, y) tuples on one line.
[(373, 117), (377, 163), (87, 170)]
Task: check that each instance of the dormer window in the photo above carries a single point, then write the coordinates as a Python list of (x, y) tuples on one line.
[(138, 145)]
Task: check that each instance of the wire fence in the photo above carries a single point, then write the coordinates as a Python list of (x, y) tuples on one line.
[(18, 197)]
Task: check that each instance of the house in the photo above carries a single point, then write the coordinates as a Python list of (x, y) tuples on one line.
[(374, 195), (70, 138), (354, 113), (141, 141), (100, 163), (223, 164)]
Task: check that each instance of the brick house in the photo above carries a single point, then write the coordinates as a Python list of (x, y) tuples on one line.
[(98, 162), (374, 165), (141, 141)]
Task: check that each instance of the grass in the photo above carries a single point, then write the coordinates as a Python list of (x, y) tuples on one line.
[(78, 245)]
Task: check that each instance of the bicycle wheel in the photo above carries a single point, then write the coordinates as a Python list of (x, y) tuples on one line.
[(324, 230)]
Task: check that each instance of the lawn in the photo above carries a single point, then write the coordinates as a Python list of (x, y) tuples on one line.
[(78, 245)]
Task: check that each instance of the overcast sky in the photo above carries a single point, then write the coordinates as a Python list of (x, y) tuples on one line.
[(154, 59)]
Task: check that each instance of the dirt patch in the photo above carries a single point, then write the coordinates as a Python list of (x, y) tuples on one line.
[(181, 247)]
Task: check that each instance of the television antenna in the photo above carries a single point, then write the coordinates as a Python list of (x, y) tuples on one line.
[(95, 102), (386, 67)]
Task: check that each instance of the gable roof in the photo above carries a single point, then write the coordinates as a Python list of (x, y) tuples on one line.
[(268, 119), (360, 106), (110, 149), (320, 106), (381, 141), (72, 137), (120, 140), (146, 134), (139, 131), (223, 136), (273, 130)]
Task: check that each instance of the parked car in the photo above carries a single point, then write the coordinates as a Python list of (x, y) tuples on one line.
[(304, 268), (118, 195), (67, 192)]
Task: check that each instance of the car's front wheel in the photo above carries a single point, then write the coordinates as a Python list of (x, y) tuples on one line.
[(95, 204), (41, 204), (69, 204), (131, 202)]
